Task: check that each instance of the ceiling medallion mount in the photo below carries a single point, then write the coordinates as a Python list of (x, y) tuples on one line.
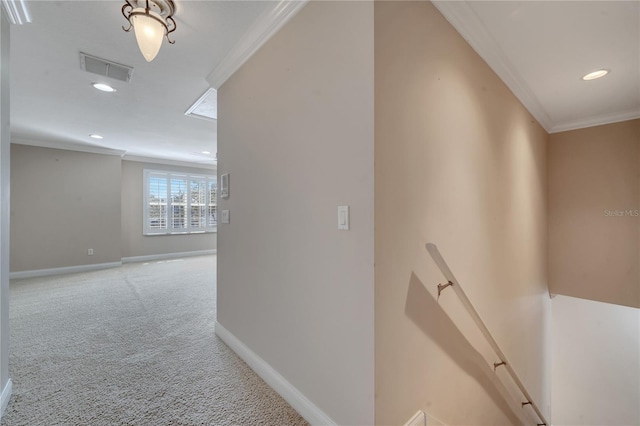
[(151, 20)]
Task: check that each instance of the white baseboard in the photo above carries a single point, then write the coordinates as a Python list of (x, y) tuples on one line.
[(432, 421), (63, 270), (418, 419), (152, 257), (97, 266), (5, 396), (293, 396), (423, 419)]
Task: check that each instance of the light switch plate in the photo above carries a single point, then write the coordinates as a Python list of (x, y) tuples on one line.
[(224, 185), (343, 218), (225, 216)]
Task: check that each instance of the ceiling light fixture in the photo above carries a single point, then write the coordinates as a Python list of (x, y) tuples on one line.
[(103, 87), (595, 74), (151, 21), (96, 136), (206, 152)]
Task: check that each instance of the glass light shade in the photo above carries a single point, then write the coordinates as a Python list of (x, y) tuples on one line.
[(149, 34)]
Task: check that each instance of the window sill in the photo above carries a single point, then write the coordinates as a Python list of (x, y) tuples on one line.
[(160, 234)]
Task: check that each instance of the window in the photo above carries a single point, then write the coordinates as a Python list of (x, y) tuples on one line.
[(178, 203)]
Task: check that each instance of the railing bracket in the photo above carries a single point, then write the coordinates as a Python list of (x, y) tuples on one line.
[(459, 291), (443, 286)]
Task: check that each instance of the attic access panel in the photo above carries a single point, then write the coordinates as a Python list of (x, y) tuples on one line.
[(206, 107)]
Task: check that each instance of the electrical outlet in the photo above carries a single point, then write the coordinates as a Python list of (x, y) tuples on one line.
[(90, 252)]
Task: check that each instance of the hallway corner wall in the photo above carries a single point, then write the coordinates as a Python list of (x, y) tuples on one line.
[(459, 162), (295, 134)]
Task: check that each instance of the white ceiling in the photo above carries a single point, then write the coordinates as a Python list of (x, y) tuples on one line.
[(52, 99), (539, 48)]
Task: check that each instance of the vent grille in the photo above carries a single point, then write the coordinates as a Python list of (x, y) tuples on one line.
[(105, 68)]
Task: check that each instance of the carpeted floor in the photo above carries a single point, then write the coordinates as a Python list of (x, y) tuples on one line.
[(130, 346)]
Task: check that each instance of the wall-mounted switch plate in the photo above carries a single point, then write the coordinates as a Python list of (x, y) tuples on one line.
[(90, 252), (225, 216), (343, 218), (224, 185)]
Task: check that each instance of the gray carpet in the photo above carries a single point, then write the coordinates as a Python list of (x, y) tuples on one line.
[(130, 346)]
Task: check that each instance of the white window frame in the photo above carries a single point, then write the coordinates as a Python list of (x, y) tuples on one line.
[(168, 230)]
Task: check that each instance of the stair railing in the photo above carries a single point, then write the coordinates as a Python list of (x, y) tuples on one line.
[(455, 285)]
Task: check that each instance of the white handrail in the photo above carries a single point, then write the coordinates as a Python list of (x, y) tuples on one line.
[(444, 268)]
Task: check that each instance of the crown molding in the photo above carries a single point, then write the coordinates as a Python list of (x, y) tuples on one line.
[(92, 149), (599, 120), (68, 146), (467, 23), (17, 11), (267, 24), (169, 162)]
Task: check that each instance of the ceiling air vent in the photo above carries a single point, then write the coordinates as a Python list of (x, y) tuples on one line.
[(105, 68)]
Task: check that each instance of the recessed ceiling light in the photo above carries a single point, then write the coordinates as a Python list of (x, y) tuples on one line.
[(595, 74), (96, 136), (103, 87), (206, 152)]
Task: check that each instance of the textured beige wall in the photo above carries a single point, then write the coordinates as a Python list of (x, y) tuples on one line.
[(459, 162), (594, 213), (134, 243), (295, 133), (63, 203)]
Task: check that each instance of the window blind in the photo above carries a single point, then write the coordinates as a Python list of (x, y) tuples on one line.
[(179, 203)]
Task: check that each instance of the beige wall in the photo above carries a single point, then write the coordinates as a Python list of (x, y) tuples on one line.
[(594, 251), (134, 243), (460, 163), (296, 135), (63, 203), (596, 363), (83, 200)]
